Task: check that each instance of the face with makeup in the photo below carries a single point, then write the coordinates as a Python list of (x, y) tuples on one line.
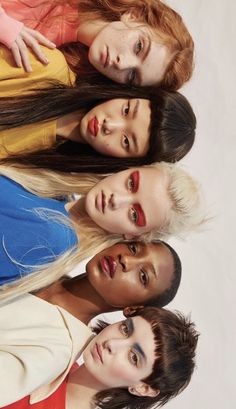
[(131, 202), (129, 52), (121, 356), (131, 273), (119, 127)]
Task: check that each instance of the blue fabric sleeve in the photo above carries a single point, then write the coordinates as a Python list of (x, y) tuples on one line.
[(31, 231)]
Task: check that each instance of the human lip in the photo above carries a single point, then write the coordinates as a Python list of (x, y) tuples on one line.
[(109, 266), (106, 58), (100, 202), (97, 352), (93, 126)]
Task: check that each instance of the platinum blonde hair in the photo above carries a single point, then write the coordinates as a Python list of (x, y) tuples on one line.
[(185, 215)]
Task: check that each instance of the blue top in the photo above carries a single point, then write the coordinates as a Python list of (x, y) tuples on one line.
[(31, 233)]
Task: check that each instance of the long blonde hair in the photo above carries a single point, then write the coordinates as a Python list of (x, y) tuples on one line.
[(185, 215)]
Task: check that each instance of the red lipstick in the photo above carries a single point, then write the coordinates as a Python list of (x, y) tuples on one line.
[(109, 266), (93, 126)]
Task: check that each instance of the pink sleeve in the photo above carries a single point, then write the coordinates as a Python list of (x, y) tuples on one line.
[(9, 28)]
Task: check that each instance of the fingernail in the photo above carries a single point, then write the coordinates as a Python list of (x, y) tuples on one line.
[(46, 60)]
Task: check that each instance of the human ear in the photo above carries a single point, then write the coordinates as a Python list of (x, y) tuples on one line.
[(135, 309), (143, 389)]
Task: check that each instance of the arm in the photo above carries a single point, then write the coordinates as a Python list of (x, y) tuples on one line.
[(15, 36), (10, 29)]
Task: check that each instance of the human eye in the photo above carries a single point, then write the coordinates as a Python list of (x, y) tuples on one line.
[(131, 77), (138, 47), (133, 181), (144, 278), (126, 143), (126, 109), (124, 329), (133, 358), (134, 215), (133, 248)]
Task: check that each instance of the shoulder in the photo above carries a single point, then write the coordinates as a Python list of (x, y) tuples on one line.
[(14, 79)]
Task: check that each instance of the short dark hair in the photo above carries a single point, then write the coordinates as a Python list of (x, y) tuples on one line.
[(167, 296), (175, 344)]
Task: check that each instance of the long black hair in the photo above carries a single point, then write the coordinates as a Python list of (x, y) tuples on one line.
[(172, 127)]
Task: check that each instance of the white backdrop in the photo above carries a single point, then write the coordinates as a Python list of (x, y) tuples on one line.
[(209, 258)]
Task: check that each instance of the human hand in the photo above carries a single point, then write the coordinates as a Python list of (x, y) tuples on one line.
[(29, 38)]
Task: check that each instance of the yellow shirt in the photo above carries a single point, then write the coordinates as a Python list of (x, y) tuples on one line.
[(15, 81)]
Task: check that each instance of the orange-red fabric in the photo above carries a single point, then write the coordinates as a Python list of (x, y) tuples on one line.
[(56, 401), (57, 22)]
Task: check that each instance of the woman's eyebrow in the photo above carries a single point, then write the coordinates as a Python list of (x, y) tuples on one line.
[(138, 348), (135, 110), (130, 325), (148, 43)]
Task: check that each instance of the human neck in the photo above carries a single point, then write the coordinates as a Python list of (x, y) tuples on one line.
[(68, 126), (77, 296), (87, 31), (81, 388)]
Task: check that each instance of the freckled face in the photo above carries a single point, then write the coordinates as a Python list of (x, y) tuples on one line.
[(131, 273), (122, 354), (131, 202), (118, 127), (129, 52)]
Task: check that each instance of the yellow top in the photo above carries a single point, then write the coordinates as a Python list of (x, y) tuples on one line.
[(15, 81)]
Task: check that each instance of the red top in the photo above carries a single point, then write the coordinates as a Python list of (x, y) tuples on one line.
[(57, 22), (55, 401)]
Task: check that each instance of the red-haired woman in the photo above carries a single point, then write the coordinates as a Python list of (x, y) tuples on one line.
[(140, 42)]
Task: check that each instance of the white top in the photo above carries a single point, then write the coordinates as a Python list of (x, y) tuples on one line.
[(39, 343)]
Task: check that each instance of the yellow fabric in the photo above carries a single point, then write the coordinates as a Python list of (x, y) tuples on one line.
[(15, 81)]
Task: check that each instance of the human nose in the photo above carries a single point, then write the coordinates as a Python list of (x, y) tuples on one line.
[(127, 263), (124, 61), (112, 125), (117, 201), (115, 345)]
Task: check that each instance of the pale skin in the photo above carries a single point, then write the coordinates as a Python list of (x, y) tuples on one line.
[(134, 54), (131, 203), (117, 127), (32, 39), (111, 360)]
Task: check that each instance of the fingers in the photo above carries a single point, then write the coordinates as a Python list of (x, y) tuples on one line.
[(32, 43), (32, 39), (40, 38), (20, 55)]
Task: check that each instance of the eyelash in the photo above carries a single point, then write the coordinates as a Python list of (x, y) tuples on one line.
[(124, 329), (131, 77), (143, 274), (131, 356), (131, 185), (127, 108), (133, 248), (134, 215), (126, 143), (138, 47)]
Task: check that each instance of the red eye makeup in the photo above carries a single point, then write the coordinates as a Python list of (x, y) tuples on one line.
[(141, 219), (135, 181)]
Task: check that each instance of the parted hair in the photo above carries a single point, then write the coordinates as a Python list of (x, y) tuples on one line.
[(175, 340)]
